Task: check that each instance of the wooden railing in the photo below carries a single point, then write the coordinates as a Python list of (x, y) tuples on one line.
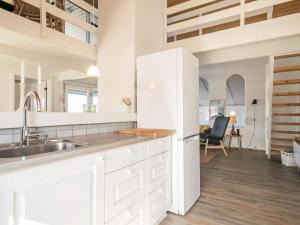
[(54, 16), (190, 18)]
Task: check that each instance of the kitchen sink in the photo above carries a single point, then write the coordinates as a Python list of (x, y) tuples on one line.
[(15, 151)]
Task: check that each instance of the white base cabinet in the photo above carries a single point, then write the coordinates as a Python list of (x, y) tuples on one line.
[(124, 186), (60, 193)]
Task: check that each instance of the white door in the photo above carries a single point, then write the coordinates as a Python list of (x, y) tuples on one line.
[(189, 173), (188, 94), (67, 192)]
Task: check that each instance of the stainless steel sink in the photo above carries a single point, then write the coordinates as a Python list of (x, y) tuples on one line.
[(52, 146)]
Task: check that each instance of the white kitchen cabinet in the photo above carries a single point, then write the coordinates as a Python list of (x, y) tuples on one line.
[(125, 156), (60, 193), (128, 185), (158, 146), (157, 204), (158, 170), (134, 215), (123, 188)]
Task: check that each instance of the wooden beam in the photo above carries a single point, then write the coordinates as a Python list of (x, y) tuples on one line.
[(285, 132), (285, 124), (292, 93), (285, 114), (286, 104), (286, 82), (287, 56), (284, 69)]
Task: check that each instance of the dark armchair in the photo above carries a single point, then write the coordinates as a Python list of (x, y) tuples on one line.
[(214, 139)]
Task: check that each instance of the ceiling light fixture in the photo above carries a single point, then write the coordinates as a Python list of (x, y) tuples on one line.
[(93, 71)]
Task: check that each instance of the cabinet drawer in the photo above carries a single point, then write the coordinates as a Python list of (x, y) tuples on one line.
[(123, 188), (158, 146), (157, 204), (125, 156), (134, 215), (158, 170)]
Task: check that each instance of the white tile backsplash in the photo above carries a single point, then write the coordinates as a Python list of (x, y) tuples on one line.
[(14, 135)]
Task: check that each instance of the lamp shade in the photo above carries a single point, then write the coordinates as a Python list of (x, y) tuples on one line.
[(233, 120), (93, 71)]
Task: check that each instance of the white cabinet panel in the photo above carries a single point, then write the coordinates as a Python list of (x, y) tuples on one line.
[(159, 146), (158, 170), (157, 204), (6, 199), (68, 192), (134, 215), (123, 188), (121, 157)]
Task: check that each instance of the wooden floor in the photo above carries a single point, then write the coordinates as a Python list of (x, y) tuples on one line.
[(245, 189)]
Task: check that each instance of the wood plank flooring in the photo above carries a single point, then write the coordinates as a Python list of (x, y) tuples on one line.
[(245, 189)]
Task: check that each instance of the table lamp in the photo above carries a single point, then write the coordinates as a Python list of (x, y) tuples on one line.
[(232, 121)]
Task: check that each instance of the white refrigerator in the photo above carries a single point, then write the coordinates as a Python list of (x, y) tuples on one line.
[(168, 98)]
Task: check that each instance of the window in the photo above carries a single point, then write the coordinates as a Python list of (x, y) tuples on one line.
[(80, 99), (204, 102), (235, 98), (76, 32)]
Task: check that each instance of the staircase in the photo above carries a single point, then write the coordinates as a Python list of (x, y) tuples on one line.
[(285, 103)]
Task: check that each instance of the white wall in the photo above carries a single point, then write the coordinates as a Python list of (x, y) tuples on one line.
[(128, 28), (253, 71)]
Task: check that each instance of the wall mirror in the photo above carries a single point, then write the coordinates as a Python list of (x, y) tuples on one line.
[(60, 89)]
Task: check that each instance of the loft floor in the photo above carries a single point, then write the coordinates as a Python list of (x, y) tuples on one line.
[(245, 189)]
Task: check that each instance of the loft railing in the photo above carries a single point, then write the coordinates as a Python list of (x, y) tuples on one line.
[(75, 18), (193, 18)]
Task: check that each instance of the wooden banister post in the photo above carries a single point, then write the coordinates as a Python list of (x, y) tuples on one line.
[(242, 13), (43, 18)]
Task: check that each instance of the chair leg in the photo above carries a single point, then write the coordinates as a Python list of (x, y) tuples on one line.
[(206, 145), (223, 148)]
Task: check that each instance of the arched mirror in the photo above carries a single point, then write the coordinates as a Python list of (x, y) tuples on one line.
[(204, 102), (235, 99)]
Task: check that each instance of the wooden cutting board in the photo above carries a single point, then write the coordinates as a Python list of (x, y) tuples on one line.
[(144, 132)]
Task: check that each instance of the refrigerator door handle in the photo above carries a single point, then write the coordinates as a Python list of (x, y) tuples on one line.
[(190, 138)]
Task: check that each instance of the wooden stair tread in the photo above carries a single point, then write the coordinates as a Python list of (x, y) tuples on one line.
[(287, 56), (283, 69), (282, 139), (291, 93), (285, 124), (286, 104), (285, 132), (285, 114), (286, 82), (279, 146)]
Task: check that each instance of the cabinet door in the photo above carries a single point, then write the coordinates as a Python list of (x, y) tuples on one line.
[(157, 204), (134, 215), (158, 170), (6, 199), (124, 188), (61, 193)]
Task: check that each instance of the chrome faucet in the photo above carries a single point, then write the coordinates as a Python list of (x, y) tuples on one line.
[(25, 132)]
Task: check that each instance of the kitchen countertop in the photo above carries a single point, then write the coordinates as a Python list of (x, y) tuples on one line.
[(95, 144)]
